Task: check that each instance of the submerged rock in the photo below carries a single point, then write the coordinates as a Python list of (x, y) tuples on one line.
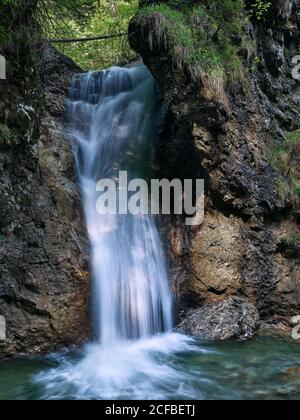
[(234, 318), (293, 371)]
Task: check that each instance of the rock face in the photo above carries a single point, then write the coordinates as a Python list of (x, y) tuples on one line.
[(227, 320), (43, 242), (220, 132)]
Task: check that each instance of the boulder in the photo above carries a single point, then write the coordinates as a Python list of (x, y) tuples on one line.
[(234, 318)]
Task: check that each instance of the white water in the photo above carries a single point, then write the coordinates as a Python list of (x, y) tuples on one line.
[(114, 117)]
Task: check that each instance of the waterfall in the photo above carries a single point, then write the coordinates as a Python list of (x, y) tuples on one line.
[(114, 117)]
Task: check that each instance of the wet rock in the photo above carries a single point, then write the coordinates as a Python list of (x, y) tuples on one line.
[(234, 318), (221, 133), (53, 63), (44, 248)]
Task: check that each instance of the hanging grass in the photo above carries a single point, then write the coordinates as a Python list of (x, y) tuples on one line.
[(204, 39), (285, 159)]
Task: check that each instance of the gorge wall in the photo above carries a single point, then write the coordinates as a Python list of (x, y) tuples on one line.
[(242, 265), (43, 242)]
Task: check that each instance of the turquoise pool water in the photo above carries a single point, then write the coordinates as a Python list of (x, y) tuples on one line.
[(267, 368)]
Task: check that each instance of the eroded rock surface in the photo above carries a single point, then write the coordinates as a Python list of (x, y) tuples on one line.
[(220, 132), (43, 242)]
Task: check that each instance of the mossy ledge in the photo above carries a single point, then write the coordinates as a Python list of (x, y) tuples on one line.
[(285, 159), (291, 240), (207, 38)]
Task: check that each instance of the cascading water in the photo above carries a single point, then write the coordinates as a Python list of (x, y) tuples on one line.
[(114, 117)]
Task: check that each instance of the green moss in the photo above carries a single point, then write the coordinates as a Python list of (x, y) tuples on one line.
[(290, 240), (7, 138), (2, 237), (260, 8), (4, 134), (284, 159), (203, 38)]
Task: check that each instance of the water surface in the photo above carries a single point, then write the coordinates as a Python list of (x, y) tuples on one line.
[(267, 368)]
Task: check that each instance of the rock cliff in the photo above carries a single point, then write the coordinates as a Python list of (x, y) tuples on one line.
[(43, 243), (225, 130)]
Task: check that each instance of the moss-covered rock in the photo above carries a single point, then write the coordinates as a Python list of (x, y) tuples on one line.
[(285, 158), (8, 137), (218, 128), (203, 37), (5, 134), (290, 245)]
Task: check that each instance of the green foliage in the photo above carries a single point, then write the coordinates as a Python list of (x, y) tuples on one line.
[(290, 240), (228, 14), (18, 34), (284, 159), (97, 18), (203, 38), (260, 8), (52, 19), (256, 62), (54, 16), (2, 237)]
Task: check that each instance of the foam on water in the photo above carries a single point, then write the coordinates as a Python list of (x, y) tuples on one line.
[(142, 369)]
